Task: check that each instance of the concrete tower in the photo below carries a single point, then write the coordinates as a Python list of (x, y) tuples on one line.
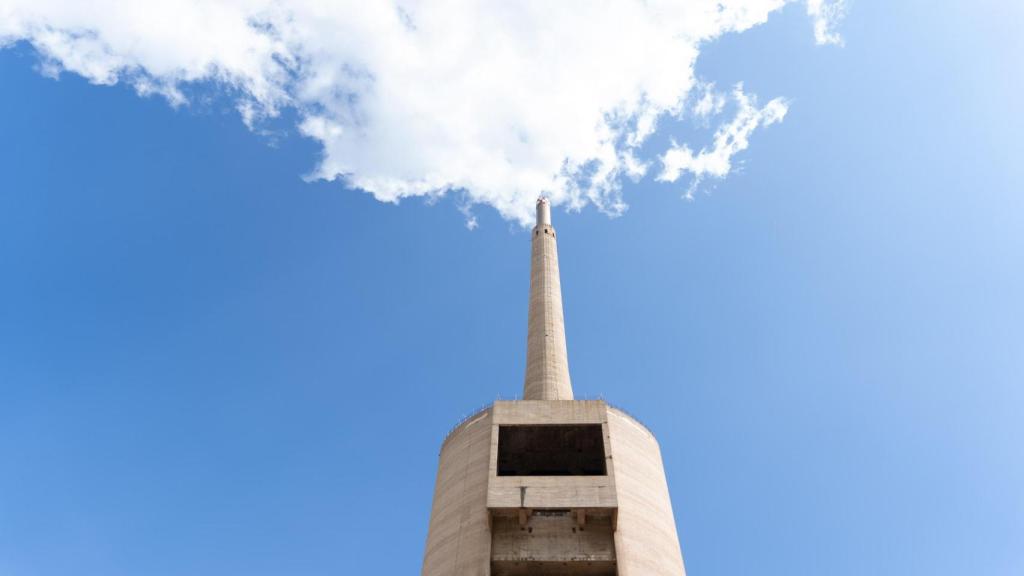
[(549, 485), (547, 361)]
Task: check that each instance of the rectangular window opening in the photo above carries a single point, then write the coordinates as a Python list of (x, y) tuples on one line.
[(551, 450)]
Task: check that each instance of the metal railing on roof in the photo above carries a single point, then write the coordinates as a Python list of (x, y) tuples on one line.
[(477, 412)]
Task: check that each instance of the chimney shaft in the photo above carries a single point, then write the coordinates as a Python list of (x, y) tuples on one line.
[(547, 361)]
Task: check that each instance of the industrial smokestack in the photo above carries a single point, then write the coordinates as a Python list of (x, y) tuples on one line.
[(550, 484), (547, 360)]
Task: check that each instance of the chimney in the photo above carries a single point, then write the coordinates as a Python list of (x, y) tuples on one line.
[(547, 362)]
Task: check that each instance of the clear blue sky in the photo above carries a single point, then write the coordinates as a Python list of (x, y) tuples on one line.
[(211, 367)]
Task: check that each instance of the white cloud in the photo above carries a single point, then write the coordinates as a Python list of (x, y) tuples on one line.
[(709, 103), (729, 139), (825, 15), (498, 100)]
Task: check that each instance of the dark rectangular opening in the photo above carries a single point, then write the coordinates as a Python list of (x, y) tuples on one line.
[(551, 450)]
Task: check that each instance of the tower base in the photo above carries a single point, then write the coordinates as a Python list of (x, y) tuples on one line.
[(551, 487)]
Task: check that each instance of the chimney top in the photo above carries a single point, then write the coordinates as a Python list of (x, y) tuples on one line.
[(543, 212)]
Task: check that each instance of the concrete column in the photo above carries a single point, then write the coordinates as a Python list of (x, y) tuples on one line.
[(547, 361)]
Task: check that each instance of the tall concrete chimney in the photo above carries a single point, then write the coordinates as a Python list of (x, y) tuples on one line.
[(547, 361), (549, 485)]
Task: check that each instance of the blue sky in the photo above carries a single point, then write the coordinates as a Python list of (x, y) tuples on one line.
[(209, 365)]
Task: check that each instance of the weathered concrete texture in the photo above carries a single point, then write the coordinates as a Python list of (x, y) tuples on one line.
[(547, 361), (458, 540), (553, 536), (596, 568), (549, 491), (645, 539), (619, 523)]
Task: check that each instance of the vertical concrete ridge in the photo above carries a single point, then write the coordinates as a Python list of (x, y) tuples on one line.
[(547, 360)]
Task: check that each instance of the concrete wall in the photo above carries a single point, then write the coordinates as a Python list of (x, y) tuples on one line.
[(458, 540), (552, 537), (646, 541), (549, 491), (632, 501)]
